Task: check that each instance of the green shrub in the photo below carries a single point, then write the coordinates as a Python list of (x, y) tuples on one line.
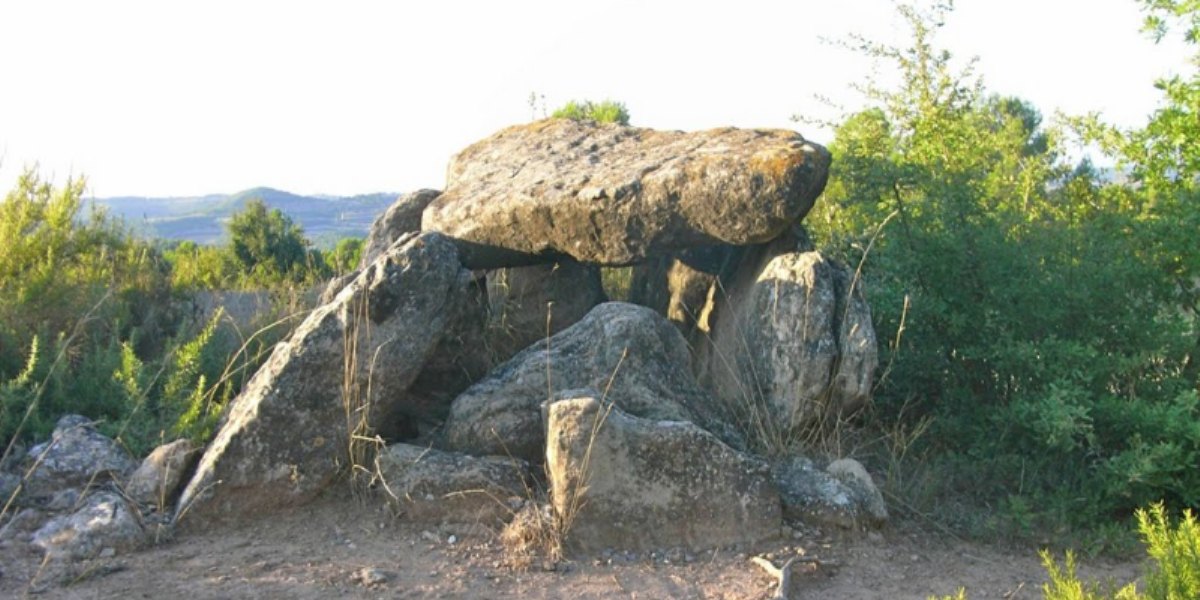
[(1174, 551), (1045, 335), (606, 111)]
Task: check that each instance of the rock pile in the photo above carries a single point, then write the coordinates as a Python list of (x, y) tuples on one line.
[(477, 347), (79, 495)]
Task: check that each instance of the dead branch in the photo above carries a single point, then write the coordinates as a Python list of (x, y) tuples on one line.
[(783, 574)]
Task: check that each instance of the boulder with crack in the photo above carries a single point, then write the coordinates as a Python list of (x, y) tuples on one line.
[(286, 435), (621, 482), (626, 351), (616, 195), (791, 340)]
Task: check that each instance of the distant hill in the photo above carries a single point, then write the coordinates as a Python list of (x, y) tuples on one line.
[(202, 219)]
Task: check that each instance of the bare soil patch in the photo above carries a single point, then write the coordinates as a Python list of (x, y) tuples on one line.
[(340, 548)]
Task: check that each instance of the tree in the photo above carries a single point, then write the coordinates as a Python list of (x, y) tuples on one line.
[(1039, 333), (266, 243), (345, 256)]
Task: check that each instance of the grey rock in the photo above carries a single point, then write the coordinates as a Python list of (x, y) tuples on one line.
[(629, 351), (403, 216), (76, 456), (157, 480), (461, 357), (637, 484), (425, 485), (285, 437), (8, 485), (64, 500), (851, 473), (336, 285), (791, 342), (105, 521), (615, 195), (819, 498), (23, 524)]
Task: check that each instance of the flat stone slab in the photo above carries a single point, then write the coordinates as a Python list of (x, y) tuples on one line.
[(614, 195)]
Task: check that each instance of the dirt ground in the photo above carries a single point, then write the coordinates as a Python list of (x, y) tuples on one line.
[(340, 548)]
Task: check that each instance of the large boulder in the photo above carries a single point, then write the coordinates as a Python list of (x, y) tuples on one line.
[(286, 436), (528, 304), (75, 456), (634, 355), (426, 485), (621, 482), (403, 216), (615, 195), (791, 339)]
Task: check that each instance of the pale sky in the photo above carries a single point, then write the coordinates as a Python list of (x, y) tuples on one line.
[(190, 97)]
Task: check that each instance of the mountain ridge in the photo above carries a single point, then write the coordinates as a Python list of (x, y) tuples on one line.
[(201, 219)]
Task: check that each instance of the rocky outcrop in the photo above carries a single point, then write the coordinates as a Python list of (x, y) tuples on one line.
[(76, 456), (791, 335), (631, 353), (403, 216), (157, 480), (843, 495), (615, 195), (621, 482), (426, 485), (285, 436)]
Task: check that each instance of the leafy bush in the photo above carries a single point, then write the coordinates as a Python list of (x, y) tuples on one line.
[(1045, 335), (606, 111), (89, 323), (73, 289), (266, 250)]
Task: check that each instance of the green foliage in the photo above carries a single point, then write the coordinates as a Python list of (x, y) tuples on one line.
[(1050, 327), (266, 243), (606, 111), (1065, 585), (89, 323), (1174, 552), (266, 250), (85, 286), (345, 256)]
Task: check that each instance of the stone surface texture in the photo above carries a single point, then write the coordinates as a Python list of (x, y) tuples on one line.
[(426, 485), (105, 521), (157, 480), (615, 195), (625, 483), (790, 336), (629, 352), (286, 436), (75, 456)]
